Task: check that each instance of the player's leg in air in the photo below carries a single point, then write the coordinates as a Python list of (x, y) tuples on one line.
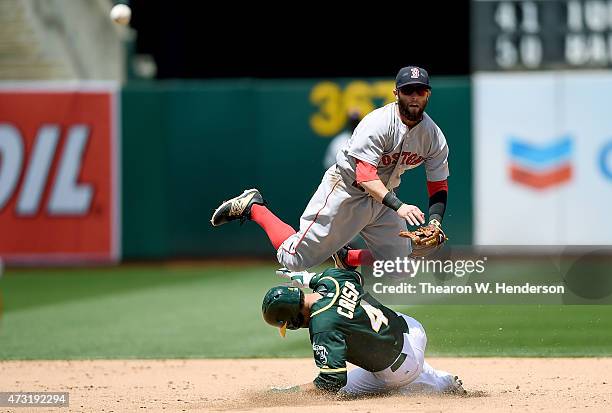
[(250, 205), (331, 219)]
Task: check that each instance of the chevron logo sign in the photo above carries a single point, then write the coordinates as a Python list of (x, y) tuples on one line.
[(541, 166)]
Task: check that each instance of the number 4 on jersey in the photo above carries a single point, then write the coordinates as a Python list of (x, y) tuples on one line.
[(377, 318)]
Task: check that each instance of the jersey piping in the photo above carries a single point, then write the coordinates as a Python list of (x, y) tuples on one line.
[(333, 301)]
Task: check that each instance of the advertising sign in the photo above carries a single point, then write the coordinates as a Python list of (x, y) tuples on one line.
[(543, 158), (59, 192)]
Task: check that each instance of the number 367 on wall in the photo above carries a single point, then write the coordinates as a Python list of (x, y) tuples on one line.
[(334, 103)]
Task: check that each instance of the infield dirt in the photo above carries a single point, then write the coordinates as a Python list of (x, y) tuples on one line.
[(493, 385)]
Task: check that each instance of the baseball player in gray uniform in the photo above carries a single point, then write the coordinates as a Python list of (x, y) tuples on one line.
[(356, 194)]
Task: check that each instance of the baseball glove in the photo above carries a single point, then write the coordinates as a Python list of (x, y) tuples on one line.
[(426, 239)]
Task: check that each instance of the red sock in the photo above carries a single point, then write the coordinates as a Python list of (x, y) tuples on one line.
[(359, 257), (276, 229)]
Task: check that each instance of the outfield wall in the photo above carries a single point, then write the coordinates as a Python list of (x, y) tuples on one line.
[(157, 158), (90, 172), (189, 145)]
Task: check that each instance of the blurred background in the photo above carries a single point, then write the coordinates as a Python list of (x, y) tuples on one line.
[(117, 142), (201, 105)]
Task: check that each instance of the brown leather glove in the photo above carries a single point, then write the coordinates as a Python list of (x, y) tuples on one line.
[(425, 239)]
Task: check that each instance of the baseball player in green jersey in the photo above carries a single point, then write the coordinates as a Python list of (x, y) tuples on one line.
[(348, 325)]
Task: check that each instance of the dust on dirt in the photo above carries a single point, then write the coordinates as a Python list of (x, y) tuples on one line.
[(493, 384)]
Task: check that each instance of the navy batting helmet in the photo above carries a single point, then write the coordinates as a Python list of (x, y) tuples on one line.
[(282, 307)]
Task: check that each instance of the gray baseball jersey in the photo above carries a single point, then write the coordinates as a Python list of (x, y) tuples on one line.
[(383, 140), (339, 210)]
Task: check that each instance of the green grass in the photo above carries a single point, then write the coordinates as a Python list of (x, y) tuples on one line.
[(214, 311)]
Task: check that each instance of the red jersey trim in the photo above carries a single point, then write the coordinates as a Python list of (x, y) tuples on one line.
[(365, 171), (436, 186)]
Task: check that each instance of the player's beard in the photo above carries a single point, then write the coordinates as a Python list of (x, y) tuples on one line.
[(411, 113)]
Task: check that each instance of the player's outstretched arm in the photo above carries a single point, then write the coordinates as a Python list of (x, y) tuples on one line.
[(376, 189), (379, 192), (367, 177)]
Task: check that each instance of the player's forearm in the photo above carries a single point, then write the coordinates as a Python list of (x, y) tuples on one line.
[(437, 205), (366, 176), (375, 188), (410, 213), (438, 196)]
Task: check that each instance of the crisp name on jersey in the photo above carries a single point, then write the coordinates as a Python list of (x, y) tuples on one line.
[(348, 300)]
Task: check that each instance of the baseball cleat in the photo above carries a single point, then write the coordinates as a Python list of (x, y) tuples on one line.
[(237, 208), (456, 387), (340, 258)]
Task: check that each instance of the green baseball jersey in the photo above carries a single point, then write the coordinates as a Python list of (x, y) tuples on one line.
[(348, 324)]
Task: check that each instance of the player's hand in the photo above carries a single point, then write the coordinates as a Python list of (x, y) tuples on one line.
[(300, 279), (412, 214)]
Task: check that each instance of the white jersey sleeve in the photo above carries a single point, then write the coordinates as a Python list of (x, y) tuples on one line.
[(370, 138), (436, 163)]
